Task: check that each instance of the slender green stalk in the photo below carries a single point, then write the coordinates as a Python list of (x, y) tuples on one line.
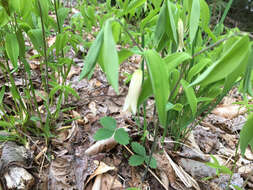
[(130, 35), (218, 28), (145, 103), (153, 145), (44, 47)]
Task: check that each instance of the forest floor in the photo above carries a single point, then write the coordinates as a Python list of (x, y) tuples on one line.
[(64, 163)]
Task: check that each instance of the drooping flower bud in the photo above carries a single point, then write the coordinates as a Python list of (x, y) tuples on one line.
[(133, 92), (180, 28)]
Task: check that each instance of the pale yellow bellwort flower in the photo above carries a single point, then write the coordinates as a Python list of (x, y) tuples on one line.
[(133, 92), (180, 28)]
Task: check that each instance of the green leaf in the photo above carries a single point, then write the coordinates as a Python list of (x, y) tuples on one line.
[(92, 56), (35, 36), (177, 107), (190, 95), (197, 68), (62, 15), (133, 5), (159, 80), (247, 86), (2, 94), (237, 187), (4, 18), (246, 134), (153, 163), (72, 91), (215, 160), (136, 160), (225, 170), (21, 43), (204, 14), (146, 91), (5, 124), (102, 134), (194, 19), (230, 60), (121, 136), (160, 29), (54, 90), (12, 49), (108, 123), (60, 42), (110, 57), (124, 54), (172, 27), (175, 59), (139, 149)]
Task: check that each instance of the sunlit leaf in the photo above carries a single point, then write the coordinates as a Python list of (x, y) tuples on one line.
[(194, 19), (110, 57)]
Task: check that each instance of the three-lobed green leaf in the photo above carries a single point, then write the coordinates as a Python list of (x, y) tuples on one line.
[(121, 136)]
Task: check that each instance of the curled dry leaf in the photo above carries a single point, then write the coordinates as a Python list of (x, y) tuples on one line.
[(73, 71), (183, 176), (246, 169), (110, 183), (229, 111), (103, 145), (101, 169), (248, 154), (165, 168), (80, 121), (60, 174), (196, 168), (97, 183)]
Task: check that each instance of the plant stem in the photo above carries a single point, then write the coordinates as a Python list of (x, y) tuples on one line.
[(218, 28), (45, 47), (153, 145), (130, 35), (213, 45)]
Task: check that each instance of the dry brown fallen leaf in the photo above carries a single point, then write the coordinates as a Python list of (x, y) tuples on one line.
[(100, 146), (229, 111), (101, 169), (109, 182), (183, 176)]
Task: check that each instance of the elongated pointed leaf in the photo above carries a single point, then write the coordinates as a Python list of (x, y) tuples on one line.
[(194, 19), (133, 5), (197, 68), (146, 91), (159, 81), (172, 27), (231, 59), (110, 57), (12, 48), (246, 134), (175, 59), (190, 95), (92, 56), (161, 24), (204, 14), (36, 37)]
